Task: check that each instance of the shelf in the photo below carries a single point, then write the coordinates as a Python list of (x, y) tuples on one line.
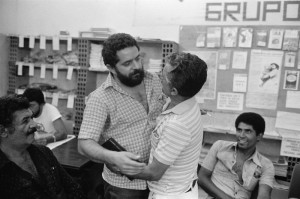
[(50, 66)]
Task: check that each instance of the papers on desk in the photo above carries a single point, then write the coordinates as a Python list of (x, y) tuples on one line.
[(58, 143)]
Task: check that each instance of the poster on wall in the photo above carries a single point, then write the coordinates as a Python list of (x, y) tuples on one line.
[(289, 59), (291, 80), (275, 38), (264, 77), (230, 101), (261, 38), (245, 37), (213, 37), (229, 36), (208, 90), (224, 59), (291, 40), (239, 60)]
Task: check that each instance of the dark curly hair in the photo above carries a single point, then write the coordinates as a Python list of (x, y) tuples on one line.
[(189, 73), (253, 119), (9, 104), (34, 94), (115, 43)]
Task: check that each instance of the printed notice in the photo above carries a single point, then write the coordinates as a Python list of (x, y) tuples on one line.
[(70, 102), (290, 147), (275, 38), (21, 41), (229, 36), (70, 72), (239, 60), (230, 101), (239, 82), (20, 68), (31, 41), (213, 37), (55, 71), (31, 69), (287, 120), (201, 39), (224, 59), (292, 99), (69, 45), (55, 43), (42, 42), (43, 71)]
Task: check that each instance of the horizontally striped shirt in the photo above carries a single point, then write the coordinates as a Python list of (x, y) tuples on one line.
[(177, 141), (112, 112)]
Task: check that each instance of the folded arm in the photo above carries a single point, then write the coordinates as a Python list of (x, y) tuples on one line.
[(205, 182)]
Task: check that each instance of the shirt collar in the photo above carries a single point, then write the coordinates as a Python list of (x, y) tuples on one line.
[(254, 156), (182, 107), (3, 159)]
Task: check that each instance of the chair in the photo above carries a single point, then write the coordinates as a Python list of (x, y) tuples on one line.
[(294, 189)]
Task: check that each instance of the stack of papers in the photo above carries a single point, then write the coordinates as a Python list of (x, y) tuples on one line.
[(96, 59), (155, 65)]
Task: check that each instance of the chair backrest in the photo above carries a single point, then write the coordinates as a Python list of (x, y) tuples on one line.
[(294, 189)]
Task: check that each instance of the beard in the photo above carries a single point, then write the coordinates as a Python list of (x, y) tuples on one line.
[(133, 79)]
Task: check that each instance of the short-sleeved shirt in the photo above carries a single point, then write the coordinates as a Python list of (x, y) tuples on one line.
[(49, 114), (177, 141), (112, 112), (220, 160)]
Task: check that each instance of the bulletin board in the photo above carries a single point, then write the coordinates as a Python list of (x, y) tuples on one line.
[(263, 47)]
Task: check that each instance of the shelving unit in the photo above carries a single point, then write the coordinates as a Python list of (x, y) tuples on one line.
[(17, 54), (88, 80)]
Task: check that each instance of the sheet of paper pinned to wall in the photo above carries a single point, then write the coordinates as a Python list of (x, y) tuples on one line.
[(239, 82), (55, 71), (31, 41), (31, 69), (263, 79), (239, 60), (69, 44), (292, 99), (55, 43), (21, 41), (288, 120), (290, 144), (230, 101), (70, 72), (70, 102), (43, 71), (42, 42), (20, 68), (55, 99)]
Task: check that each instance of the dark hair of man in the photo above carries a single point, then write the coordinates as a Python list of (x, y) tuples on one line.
[(277, 67), (253, 119), (189, 74), (115, 43), (9, 104), (34, 94)]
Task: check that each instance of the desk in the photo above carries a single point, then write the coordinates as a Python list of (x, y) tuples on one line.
[(84, 171), (68, 156)]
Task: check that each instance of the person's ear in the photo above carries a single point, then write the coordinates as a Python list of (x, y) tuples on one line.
[(111, 69), (259, 137), (3, 131), (174, 91)]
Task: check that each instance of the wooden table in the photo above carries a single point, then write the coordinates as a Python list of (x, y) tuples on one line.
[(68, 156), (86, 172)]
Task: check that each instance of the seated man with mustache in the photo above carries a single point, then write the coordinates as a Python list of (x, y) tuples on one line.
[(233, 169), (28, 171)]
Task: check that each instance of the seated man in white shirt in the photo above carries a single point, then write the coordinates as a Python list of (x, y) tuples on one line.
[(233, 169), (47, 115)]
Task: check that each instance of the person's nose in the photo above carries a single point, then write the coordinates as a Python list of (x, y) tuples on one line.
[(136, 64)]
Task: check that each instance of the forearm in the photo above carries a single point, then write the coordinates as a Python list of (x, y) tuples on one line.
[(209, 187), (94, 151)]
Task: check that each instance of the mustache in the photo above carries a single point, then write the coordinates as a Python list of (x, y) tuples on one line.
[(31, 130)]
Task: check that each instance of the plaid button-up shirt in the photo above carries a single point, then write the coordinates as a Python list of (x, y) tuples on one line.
[(112, 112)]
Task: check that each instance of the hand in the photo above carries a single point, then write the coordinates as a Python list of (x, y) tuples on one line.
[(127, 163)]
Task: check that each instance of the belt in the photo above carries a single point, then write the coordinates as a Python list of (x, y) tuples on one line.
[(193, 184)]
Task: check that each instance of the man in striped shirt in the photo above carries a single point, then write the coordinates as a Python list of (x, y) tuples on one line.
[(177, 138), (125, 108)]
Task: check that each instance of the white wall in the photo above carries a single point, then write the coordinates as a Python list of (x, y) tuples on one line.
[(144, 18)]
